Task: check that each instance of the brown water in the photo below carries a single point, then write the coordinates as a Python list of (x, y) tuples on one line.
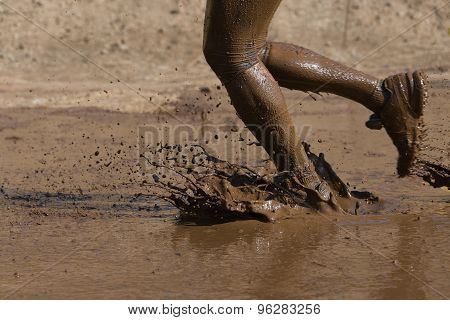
[(306, 258), (79, 225)]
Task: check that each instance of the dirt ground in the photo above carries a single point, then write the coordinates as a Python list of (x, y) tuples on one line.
[(77, 221)]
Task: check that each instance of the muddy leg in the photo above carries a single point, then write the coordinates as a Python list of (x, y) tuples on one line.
[(260, 104), (235, 31), (398, 101), (298, 68)]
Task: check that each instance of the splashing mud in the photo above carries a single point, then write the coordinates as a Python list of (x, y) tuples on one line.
[(433, 160), (436, 174), (201, 185)]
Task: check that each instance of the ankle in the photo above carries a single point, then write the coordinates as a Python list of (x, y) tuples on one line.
[(378, 97)]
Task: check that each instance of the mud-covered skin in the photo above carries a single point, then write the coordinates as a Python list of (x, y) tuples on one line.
[(269, 120), (298, 68), (235, 46)]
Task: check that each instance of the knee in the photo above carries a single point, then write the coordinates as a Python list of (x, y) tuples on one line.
[(217, 59), (227, 64), (210, 57)]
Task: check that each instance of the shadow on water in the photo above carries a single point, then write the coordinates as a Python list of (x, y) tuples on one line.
[(208, 221), (140, 203)]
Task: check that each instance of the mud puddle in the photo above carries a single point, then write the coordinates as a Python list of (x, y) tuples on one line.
[(305, 258), (112, 242)]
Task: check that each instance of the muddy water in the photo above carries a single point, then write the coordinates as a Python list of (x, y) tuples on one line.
[(312, 258), (77, 223)]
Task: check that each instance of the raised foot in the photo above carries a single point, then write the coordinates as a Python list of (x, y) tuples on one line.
[(402, 116)]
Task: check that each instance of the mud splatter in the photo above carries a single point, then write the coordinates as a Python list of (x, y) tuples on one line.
[(433, 160), (201, 185), (436, 174)]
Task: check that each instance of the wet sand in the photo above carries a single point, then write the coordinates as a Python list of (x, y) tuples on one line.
[(79, 224)]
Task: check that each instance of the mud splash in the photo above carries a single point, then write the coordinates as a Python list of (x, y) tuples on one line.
[(433, 160), (435, 173), (203, 186)]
